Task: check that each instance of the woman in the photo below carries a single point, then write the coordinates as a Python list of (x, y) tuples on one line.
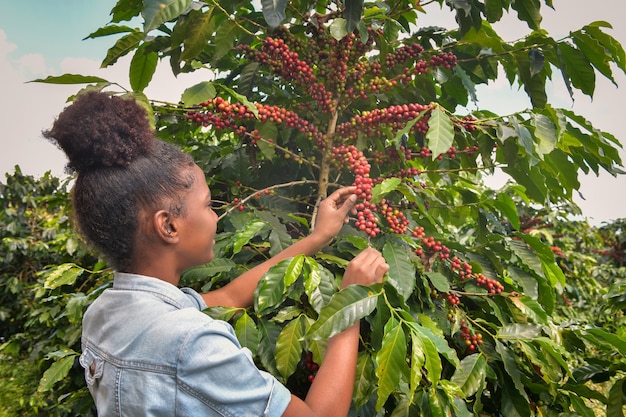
[(147, 347)]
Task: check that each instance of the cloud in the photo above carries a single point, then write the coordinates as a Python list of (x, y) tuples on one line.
[(24, 111), (28, 108), (32, 65)]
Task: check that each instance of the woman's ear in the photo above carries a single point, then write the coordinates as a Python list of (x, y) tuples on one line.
[(165, 226)]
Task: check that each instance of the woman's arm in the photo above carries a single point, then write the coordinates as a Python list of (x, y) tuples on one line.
[(330, 393), (332, 214)]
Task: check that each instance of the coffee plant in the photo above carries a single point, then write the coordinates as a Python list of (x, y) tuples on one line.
[(482, 312)]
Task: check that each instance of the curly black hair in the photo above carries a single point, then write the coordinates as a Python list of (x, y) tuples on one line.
[(122, 170)]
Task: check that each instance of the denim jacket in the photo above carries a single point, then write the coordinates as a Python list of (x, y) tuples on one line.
[(149, 350)]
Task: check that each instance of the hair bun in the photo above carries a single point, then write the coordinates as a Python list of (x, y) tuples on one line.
[(100, 130)]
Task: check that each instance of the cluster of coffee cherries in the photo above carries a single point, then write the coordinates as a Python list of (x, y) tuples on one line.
[(237, 203), (311, 366), (433, 247), (492, 286), (221, 114), (286, 64), (445, 59), (354, 159), (396, 117), (462, 268), (468, 123), (465, 273), (395, 218), (403, 54), (472, 340), (453, 299)]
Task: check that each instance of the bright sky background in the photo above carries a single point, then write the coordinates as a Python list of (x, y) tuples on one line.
[(39, 38)]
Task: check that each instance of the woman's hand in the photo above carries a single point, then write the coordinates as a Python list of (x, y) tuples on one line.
[(333, 213), (367, 268)]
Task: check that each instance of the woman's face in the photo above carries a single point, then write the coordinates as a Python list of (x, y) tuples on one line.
[(197, 225)]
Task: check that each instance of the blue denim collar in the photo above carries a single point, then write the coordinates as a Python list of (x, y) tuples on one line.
[(171, 294)]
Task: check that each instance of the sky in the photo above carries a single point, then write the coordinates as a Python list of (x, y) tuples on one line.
[(39, 38)]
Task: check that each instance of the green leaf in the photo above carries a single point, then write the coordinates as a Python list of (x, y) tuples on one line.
[(274, 12), (615, 405), (247, 333), (567, 171), (268, 331), (75, 307), (390, 361), (418, 359), (581, 408), (65, 274), (122, 47), (526, 255), (213, 268), (514, 403), (57, 371), (494, 10), (529, 11), (222, 313), (70, 79), (439, 342), (469, 85), (401, 270), (617, 342), (535, 86), (511, 368), (320, 294), (294, 270), (518, 331), (338, 29), (142, 68), (407, 128), (353, 11), (524, 138), (579, 69), (198, 32), (506, 205), (289, 347), (225, 39), (471, 375), (157, 12), (344, 309), (545, 366), (610, 44), (551, 270), (537, 61), (531, 309), (440, 133), (270, 290), (545, 132), (313, 277), (385, 187), (363, 386), (595, 53), (109, 30), (439, 281), (198, 93), (245, 234), (426, 340), (557, 352)]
